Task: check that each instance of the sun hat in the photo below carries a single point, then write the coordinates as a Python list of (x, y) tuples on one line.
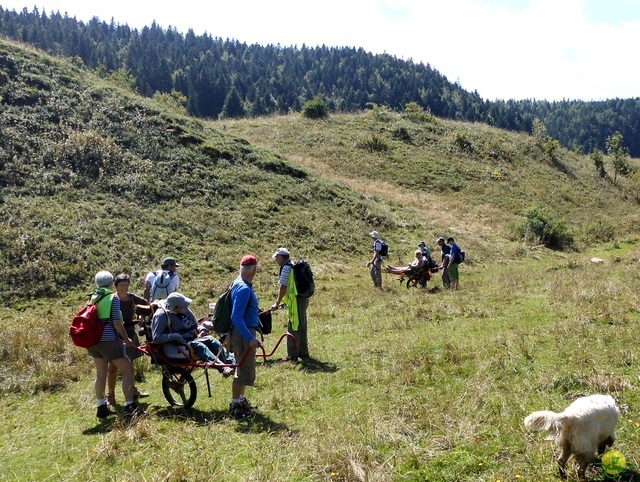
[(281, 252), (249, 260), (374, 234), (170, 261), (177, 300)]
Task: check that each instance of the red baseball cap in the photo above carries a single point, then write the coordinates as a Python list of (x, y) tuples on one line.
[(249, 260)]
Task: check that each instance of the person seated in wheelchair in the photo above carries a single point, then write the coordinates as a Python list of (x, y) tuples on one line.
[(417, 266), (174, 324)]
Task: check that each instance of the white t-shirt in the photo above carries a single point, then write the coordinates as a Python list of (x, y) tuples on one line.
[(377, 245)]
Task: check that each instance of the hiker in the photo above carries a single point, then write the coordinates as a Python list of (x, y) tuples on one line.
[(454, 261), (445, 249), (158, 285), (375, 265), (127, 303), (422, 246), (244, 317), (174, 323), (296, 307), (110, 348)]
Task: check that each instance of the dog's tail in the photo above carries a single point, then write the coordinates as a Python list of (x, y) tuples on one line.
[(544, 420)]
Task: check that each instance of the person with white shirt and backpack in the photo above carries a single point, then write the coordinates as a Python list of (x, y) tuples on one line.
[(375, 265), (158, 285)]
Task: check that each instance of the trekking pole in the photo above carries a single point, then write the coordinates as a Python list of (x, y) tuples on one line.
[(206, 376)]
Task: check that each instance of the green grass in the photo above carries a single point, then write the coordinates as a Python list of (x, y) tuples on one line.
[(405, 385)]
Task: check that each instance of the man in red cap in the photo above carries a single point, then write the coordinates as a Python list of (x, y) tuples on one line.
[(244, 317)]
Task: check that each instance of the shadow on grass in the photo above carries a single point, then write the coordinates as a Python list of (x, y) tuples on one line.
[(311, 365), (257, 423), (191, 414), (308, 365), (260, 423), (631, 475), (115, 421), (596, 474)]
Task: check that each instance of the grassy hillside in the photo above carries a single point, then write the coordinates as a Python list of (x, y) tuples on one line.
[(469, 179), (404, 385), (93, 176)]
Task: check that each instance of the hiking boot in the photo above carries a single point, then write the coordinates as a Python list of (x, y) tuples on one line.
[(138, 394), (111, 399), (227, 372), (133, 411), (247, 404), (239, 411), (103, 411)]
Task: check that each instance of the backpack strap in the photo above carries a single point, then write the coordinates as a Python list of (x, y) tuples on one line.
[(97, 302), (168, 315)]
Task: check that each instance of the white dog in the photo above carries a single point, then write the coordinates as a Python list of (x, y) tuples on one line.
[(587, 425)]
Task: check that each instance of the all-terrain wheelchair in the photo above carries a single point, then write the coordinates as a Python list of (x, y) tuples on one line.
[(415, 275), (178, 362)]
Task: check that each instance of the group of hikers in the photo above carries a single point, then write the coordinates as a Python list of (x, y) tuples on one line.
[(451, 255), (174, 324)]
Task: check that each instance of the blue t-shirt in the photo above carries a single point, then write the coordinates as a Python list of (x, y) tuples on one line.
[(455, 253), (244, 314)]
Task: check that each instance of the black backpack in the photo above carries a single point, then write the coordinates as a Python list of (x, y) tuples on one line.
[(384, 248), (431, 263), (303, 277), (221, 317), (461, 257)]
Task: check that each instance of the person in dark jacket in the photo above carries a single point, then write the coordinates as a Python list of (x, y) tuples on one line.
[(445, 249)]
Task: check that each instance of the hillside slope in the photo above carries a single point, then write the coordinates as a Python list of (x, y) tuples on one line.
[(95, 177), (469, 179)]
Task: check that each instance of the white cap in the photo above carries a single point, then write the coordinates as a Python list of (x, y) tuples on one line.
[(281, 252), (374, 234)]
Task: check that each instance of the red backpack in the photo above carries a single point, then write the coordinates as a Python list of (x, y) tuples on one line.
[(87, 328)]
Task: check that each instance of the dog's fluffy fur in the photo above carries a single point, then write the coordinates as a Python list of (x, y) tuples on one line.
[(586, 426)]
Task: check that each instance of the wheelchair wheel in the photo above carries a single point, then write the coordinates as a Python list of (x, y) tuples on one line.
[(180, 389)]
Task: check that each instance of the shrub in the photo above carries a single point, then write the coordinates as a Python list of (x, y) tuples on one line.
[(315, 108), (598, 162), (415, 112), (543, 227), (402, 134), (380, 112), (462, 141), (596, 232), (373, 144)]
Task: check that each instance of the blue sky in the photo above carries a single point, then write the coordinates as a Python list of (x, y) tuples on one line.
[(508, 49)]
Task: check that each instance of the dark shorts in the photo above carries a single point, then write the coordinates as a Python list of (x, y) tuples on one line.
[(109, 350), (245, 374)]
